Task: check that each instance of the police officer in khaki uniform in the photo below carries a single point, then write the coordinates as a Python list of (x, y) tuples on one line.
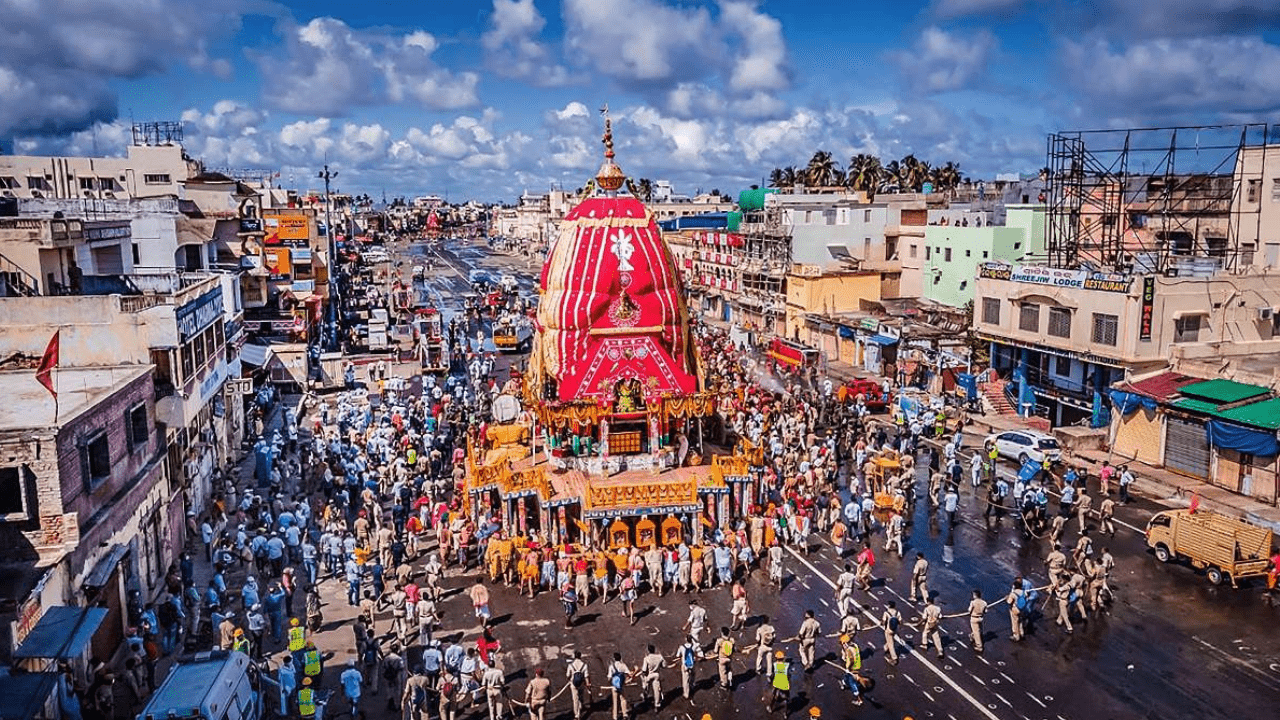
[(724, 658), (977, 608), (919, 578), (808, 634), (579, 683), (1015, 613), (1056, 562), (1084, 505), (931, 617), (765, 635), (1106, 513), (649, 677), (1062, 592), (890, 621)]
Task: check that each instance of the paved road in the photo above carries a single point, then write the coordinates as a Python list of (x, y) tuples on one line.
[(1171, 646)]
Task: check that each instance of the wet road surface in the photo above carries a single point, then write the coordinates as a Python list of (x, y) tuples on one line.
[(1170, 646)]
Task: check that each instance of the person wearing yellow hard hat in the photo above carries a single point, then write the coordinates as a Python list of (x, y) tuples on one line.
[(306, 699), (815, 712), (851, 658), (297, 639), (781, 681)]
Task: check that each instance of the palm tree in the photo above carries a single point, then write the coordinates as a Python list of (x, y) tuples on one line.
[(947, 177), (821, 171), (865, 173), (775, 178), (892, 176), (789, 177), (912, 173), (645, 189)]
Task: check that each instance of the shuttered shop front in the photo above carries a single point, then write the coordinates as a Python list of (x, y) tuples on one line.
[(1186, 448), (1138, 436)]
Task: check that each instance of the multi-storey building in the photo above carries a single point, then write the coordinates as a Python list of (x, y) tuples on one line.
[(1065, 336), (954, 247), (176, 322), (87, 512)]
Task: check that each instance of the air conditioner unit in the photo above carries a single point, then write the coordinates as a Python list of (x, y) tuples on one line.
[(1265, 313)]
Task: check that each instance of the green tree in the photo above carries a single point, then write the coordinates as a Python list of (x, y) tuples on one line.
[(821, 171), (865, 173)]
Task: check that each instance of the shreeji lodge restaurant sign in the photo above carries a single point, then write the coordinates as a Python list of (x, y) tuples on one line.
[(1054, 277)]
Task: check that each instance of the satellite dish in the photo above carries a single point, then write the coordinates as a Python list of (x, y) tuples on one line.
[(506, 408), (169, 411)]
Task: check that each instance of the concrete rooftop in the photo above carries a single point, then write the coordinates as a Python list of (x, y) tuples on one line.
[(28, 405)]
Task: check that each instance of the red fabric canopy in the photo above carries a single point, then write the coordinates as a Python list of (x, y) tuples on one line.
[(613, 306)]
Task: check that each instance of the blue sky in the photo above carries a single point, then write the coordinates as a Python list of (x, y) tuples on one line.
[(486, 98)]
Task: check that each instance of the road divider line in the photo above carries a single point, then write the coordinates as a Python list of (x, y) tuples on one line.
[(981, 708)]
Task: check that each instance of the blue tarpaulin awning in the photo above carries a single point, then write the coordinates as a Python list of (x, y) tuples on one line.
[(1129, 402), (1259, 443), (883, 340), (847, 333), (62, 633), (23, 695)]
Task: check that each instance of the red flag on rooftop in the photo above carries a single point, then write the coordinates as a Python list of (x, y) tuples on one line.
[(44, 373)]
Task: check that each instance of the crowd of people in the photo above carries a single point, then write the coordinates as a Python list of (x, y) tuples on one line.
[(365, 492)]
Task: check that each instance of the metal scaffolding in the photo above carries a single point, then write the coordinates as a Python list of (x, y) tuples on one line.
[(1152, 199)]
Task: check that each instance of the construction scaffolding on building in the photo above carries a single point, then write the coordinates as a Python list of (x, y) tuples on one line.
[(1167, 200)]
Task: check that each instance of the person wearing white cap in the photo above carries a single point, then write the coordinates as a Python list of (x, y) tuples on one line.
[(352, 680)]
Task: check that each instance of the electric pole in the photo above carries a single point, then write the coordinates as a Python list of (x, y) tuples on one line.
[(326, 175)]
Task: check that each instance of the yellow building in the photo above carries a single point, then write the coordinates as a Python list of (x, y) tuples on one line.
[(811, 290)]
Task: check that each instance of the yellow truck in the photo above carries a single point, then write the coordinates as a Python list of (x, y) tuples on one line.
[(1226, 548)]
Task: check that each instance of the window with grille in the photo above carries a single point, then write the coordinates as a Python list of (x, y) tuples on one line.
[(1029, 317), (1105, 328), (1187, 329), (1060, 322), (991, 311)]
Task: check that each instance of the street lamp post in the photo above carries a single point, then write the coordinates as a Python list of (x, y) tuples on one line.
[(326, 175)]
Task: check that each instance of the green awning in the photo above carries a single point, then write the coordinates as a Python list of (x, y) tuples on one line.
[(1265, 414), (1222, 392), (1199, 406)]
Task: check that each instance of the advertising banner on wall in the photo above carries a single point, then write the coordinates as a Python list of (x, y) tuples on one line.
[(1056, 277), (286, 230), (277, 262)]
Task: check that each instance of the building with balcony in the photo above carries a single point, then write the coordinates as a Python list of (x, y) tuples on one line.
[(178, 323), (1064, 336), (87, 512)]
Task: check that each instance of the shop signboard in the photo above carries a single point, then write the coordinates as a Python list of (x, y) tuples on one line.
[(277, 262), (286, 230), (1147, 316), (1057, 277)]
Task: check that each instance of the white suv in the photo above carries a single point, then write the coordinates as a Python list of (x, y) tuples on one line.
[(1023, 445)]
